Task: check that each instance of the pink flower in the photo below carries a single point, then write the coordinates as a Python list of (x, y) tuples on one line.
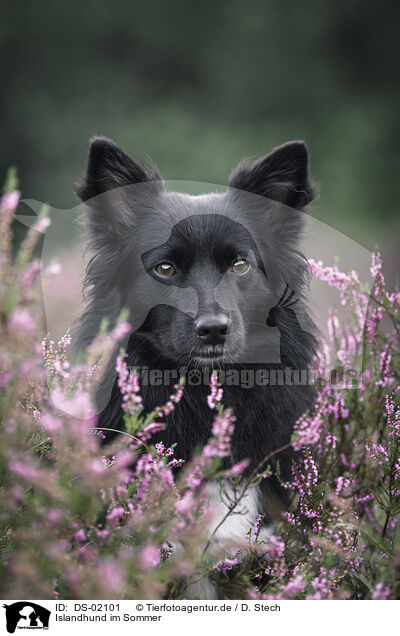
[(128, 384), (111, 574), (149, 557), (153, 427), (185, 505), (54, 269), (381, 593), (50, 423), (215, 396), (376, 266), (195, 478), (79, 405), (115, 514), (102, 534), (294, 586), (120, 331), (4, 379), (222, 430), (237, 469), (97, 466), (123, 459), (9, 201), (80, 535), (54, 515), (22, 320), (25, 469), (43, 223)]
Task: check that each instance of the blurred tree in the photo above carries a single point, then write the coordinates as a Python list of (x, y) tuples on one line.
[(198, 86)]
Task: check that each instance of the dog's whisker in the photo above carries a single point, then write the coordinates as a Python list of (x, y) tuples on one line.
[(283, 295), (287, 300), (291, 304)]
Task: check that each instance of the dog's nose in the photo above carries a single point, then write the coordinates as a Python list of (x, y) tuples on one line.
[(212, 329)]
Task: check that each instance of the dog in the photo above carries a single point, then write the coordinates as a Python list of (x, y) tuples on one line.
[(213, 281)]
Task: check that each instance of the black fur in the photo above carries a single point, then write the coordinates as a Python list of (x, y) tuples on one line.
[(202, 245)]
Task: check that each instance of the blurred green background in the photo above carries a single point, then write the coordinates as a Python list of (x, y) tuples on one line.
[(199, 86)]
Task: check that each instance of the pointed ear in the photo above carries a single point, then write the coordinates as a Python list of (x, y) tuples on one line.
[(282, 175), (109, 167)]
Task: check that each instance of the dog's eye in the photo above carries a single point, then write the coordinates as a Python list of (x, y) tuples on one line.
[(166, 270), (240, 266)]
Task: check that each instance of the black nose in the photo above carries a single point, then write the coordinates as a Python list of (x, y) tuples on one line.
[(212, 329)]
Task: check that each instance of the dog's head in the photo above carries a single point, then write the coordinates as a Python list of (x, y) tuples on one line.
[(199, 274)]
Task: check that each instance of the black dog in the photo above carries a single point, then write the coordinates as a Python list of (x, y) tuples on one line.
[(216, 280)]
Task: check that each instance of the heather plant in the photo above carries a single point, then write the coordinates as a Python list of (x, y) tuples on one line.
[(128, 520)]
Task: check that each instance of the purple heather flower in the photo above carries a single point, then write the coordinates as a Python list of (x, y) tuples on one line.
[(22, 320), (149, 557), (9, 202)]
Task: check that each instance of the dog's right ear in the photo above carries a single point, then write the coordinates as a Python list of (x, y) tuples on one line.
[(109, 167)]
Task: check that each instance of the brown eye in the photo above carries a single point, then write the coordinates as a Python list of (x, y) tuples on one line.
[(240, 266), (166, 270)]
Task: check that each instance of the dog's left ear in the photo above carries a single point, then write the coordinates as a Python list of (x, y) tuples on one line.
[(282, 176)]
